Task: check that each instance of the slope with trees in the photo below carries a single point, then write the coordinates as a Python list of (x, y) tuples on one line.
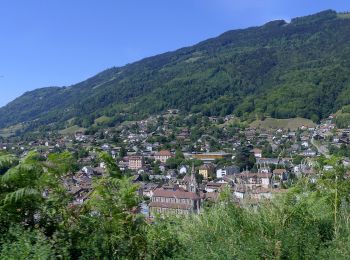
[(280, 69)]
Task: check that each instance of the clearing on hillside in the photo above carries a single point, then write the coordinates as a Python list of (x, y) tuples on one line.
[(72, 130), (10, 131), (273, 123)]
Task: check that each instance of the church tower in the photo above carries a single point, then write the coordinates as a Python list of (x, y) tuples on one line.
[(193, 185)]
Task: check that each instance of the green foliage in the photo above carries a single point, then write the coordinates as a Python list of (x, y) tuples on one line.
[(112, 168), (162, 241), (267, 151), (6, 162), (22, 244), (342, 151), (310, 221), (343, 120), (244, 158), (298, 159), (107, 226)]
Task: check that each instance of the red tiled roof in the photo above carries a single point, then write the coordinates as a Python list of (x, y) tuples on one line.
[(216, 184), (164, 153), (170, 205), (135, 158), (253, 175), (178, 193)]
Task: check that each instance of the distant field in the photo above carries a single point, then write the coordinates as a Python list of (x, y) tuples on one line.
[(235, 121), (273, 123), (102, 120), (72, 130), (344, 15), (10, 131)]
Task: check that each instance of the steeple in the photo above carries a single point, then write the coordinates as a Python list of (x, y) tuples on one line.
[(193, 186)]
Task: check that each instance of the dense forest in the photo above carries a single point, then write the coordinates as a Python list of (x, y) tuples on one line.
[(280, 69), (310, 221)]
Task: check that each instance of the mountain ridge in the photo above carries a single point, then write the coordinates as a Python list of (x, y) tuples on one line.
[(261, 70)]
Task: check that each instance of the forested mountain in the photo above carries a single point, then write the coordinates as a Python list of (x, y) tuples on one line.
[(279, 69)]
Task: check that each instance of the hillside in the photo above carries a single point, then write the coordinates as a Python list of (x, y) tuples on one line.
[(283, 70)]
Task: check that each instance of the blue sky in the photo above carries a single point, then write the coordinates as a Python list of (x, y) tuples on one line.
[(61, 42)]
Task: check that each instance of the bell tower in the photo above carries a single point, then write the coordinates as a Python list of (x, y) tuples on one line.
[(193, 185)]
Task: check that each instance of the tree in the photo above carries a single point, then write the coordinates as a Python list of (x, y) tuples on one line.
[(6, 162), (106, 226), (156, 169), (179, 155), (31, 193), (123, 152), (244, 158), (267, 151)]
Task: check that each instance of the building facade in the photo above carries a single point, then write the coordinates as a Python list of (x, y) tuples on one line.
[(174, 200), (207, 171), (135, 162), (163, 156)]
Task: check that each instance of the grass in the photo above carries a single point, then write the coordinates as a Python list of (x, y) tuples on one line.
[(192, 59), (102, 120), (72, 130), (273, 123)]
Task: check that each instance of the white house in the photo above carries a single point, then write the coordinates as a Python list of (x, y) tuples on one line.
[(183, 169), (257, 152), (220, 173)]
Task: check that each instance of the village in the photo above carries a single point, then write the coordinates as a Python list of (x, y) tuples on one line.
[(182, 164)]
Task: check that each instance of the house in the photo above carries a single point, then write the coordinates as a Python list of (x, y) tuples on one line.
[(88, 170), (163, 156), (309, 153), (257, 152), (185, 182), (346, 162), (280, 174), (135, 162), (183, 169), (260, 193), (226, 171), (305, 144), (148, 189), (295, 147), (183, 135), (207, 171), (214, 186), (157, 177), (267, 161), (240, 191), (254, 179), (123, 165), (264, 169)]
